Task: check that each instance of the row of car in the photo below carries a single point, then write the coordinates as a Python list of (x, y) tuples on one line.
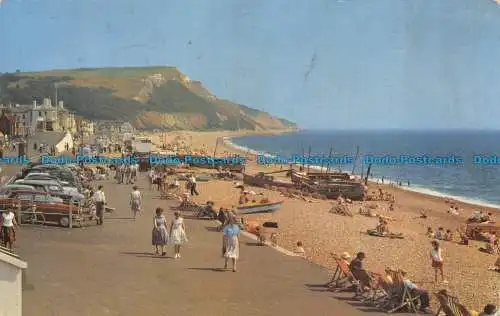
[(54, 191)]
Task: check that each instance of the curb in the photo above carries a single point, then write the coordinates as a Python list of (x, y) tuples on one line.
[(277, 248), (268, 244)]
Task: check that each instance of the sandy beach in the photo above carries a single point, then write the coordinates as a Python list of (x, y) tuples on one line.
[(466, 268)]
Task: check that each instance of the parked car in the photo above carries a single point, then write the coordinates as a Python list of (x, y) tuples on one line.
[(16, 187), (54, 210), (53, 187)]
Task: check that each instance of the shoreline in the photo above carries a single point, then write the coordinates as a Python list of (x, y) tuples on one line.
[(322, 232), (455, 200)]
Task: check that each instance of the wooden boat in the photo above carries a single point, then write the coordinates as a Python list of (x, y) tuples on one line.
[(350, 190), (254, 208), (262, 180), (318, 177), (476, 230)]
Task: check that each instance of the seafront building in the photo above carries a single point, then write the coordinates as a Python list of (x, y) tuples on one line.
[(25, 120)]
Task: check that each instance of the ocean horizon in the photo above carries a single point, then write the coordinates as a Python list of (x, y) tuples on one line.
[(461, 164)]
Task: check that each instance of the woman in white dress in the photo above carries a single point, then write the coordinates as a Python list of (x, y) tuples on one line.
[(135, 201), (231, 243), (177, 234)]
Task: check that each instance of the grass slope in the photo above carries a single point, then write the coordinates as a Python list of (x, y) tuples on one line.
[(129, 94)]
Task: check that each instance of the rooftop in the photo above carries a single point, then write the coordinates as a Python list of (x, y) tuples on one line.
[(50, 138)]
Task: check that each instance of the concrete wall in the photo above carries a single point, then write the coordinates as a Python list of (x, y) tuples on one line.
[(10, 290), (61, 146)]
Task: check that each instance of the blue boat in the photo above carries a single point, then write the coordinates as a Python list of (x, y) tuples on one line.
[(259, 208)]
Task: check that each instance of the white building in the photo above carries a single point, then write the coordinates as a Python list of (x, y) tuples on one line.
[(11, 284), (44, 117)]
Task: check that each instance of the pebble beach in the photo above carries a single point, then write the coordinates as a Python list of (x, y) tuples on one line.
[(323, 233)]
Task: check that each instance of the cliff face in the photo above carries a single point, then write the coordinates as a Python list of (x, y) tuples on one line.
[(149, 97)]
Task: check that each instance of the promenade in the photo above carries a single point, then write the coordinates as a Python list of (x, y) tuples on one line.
[(110, 270)]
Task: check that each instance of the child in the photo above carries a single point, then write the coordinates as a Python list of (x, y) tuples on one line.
[(299, 249), (430, 233)]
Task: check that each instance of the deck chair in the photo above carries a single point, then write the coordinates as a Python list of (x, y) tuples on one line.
[(376, 292), (342, 272), (400, 296), (450, 305)]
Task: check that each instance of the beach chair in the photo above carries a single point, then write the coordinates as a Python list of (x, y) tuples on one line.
[(342, 272), (398, 296), (450, 305)]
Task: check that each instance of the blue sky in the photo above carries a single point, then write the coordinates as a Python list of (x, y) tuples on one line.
[(321, 63)]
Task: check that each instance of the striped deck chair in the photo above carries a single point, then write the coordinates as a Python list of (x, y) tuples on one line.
[(400, 296), (376, 292), (450, 305), (337, 275), (343, 272)]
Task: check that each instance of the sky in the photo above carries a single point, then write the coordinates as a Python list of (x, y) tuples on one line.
[(326, 64)]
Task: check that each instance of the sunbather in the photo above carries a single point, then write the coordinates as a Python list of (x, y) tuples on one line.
[(299, 249), (490, 310), (448, 236), (439, 235), (416, 291), (382, 227), (430, 232), (487, 218), (356, 267)]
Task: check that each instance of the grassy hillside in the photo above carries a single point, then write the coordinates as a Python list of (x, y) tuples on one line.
[(149, 97)]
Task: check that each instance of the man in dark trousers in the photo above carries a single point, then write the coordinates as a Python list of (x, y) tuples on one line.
[(99, 200)]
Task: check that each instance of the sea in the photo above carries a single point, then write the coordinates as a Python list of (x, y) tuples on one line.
[(459, 164)]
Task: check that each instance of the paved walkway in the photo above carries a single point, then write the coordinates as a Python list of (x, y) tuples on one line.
[(109, 270)]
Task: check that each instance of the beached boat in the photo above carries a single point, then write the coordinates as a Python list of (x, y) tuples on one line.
[(350, 190), (262, 180), (319, 177), (259, 208), (477, 231)]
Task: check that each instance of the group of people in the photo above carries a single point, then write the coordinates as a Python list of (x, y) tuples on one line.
[(481, 217), (164, 234), (440, 234), (367, 279), (127, 174)]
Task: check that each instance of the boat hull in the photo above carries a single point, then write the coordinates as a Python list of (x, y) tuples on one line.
[(260, 208)]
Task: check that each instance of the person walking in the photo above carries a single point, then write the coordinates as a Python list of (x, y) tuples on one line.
[(135, 201), (9, 226), (151, 177), (231, 247), (133, 174), (437, 260), (192, 185), (160, 234), (177, 235), (99, 200)]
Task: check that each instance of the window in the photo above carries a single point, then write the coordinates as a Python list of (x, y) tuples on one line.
[(55, 188)]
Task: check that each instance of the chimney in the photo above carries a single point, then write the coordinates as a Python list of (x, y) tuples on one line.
[(46, 102), (34, 104), (61, 104)]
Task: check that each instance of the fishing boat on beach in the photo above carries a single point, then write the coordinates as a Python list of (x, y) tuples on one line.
[(254, 208), (263, 179), (317, 177)]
